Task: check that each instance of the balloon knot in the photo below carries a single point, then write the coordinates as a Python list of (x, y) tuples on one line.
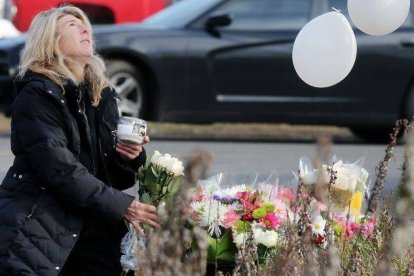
[(337, 10)]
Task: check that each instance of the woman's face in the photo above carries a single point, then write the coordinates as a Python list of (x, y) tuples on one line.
[(75, 39)]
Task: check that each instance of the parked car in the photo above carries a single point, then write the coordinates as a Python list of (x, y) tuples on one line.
[(98, 11), (230, 60)]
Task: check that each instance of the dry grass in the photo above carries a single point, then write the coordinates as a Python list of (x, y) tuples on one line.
[(248, 131), (234, 131)]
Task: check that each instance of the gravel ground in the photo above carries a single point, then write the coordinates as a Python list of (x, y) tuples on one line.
[(236, 132)]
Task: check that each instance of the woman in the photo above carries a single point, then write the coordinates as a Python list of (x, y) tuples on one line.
[(61, 208)]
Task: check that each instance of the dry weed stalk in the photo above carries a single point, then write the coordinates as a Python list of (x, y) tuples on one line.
[(168, 251), (329, 261), (402, 236), (288, 260), (381, 170), (247, 258), (296, 255)]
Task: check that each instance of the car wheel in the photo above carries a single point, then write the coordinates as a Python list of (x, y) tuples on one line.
[(128, 83), (408, 111), (373, 135)]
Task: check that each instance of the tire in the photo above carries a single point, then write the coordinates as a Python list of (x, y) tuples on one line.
[(129, 85), (373, 135), (408, 104)]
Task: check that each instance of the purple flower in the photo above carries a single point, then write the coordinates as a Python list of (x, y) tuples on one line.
[(227, 200), (224, 199)]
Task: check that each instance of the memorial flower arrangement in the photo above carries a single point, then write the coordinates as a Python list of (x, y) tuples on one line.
[(348, 186), (230, 215)]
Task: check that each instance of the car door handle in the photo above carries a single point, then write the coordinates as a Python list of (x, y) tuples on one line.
[(407, 43)]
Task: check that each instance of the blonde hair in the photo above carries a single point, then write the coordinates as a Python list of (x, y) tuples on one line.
[(42, 54)]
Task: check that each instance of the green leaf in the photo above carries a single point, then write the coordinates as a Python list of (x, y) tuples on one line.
[(153, 187), (148, 162), (145, 198), (154, 171), (223, 249), (150, 178)]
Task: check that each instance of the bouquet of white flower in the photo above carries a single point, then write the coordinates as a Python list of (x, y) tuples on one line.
[(158, 180)]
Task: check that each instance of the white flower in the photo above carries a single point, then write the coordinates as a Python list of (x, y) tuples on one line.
[(165, 160), (239, 239), (155, 159), (175, 166), (168, 162), (268, 238), (232, 191), (318, 225), (199, 206), (213, 217)]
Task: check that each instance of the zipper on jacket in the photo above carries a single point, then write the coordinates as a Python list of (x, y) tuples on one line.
[(101, 110), (105, 168), (32, 211)]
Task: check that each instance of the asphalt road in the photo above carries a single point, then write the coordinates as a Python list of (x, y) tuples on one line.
[(250, 158)]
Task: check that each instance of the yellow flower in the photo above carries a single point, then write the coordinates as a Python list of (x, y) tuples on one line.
[(356, 203)]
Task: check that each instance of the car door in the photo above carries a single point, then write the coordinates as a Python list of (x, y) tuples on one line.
[(246, 72)]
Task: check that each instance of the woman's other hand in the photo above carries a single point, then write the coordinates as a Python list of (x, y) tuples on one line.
[(138, 213), (130, 151)]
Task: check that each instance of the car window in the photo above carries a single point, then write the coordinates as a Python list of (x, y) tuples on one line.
[(342, 5), (266, 14), (179, 14), (409, 22)]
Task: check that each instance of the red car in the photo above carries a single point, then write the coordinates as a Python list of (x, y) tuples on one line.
[(98, 11)]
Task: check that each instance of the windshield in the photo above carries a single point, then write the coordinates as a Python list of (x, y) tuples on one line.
[(180, 14)]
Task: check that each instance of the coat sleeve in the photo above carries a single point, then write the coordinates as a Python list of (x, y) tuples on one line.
[(39, 124)]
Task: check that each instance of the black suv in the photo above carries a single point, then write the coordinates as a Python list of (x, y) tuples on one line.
[(230, 60)]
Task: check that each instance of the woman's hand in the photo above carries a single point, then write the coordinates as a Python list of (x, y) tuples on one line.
[(138, 213), (130, 151)]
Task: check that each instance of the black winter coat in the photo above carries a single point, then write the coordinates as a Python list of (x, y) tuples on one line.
[(47, 194)]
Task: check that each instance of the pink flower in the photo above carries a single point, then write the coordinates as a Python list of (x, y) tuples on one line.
[(340, 220), (197, 197), (271, 221), (280, 209), (230, 217), (243, 196), (354, 227), (368, 229), (286, 194), (322, 207)]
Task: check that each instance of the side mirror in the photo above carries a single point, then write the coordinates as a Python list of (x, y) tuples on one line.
[(217, 20)]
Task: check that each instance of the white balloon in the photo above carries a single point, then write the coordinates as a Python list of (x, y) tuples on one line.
[(378, 17), (324, 51)]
